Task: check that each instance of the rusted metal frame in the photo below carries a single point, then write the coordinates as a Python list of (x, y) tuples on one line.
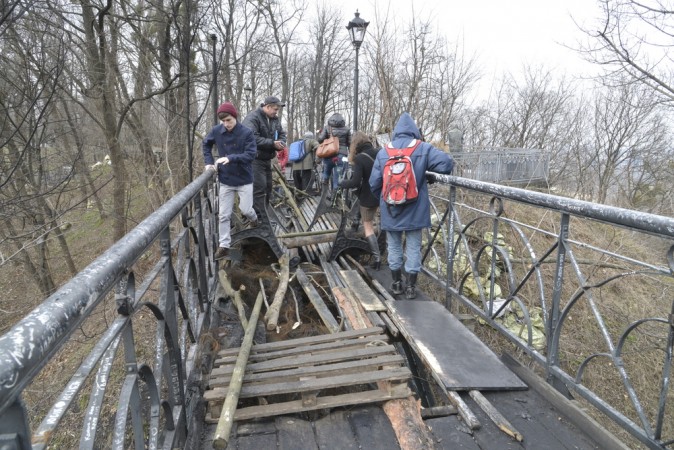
[(452, 218), (496, 209), (129, 398), (342, 242)]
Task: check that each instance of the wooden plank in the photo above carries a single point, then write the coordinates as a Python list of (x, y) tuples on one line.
[(295, 434), (327, 402), (310, 340), (315, 384), (316, 300), (451, 434), (496, 417), (349, 306), (323, 369), (299, 361), (362, 291), (334, 431), (389, 325), (576, 415), (460, 360), (373, 428), (313, 349)]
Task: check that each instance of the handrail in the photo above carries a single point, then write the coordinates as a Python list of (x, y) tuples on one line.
[(30, 344), (490, 263)]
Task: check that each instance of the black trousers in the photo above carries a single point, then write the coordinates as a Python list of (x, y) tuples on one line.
[(262, 184), (302, 178)]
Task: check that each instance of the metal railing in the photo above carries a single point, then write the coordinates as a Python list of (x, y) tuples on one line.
[(161, 276), (555, 284), (592, 305), (505, 166)]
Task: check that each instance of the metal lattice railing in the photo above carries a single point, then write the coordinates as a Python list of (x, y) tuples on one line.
[(505, 166), (592, 309), (156, 280)]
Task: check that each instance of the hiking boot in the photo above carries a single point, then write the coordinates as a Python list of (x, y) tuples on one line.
[(222, 253), (375, 262), (410, 290), (397, 285)]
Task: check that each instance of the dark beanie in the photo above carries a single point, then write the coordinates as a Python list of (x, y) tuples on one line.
[(228, 108)]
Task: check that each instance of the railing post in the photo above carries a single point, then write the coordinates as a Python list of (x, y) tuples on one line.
[(450, 247), (14, 430), (553, 318)]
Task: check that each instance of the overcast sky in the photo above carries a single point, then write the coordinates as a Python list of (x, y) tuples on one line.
[(503, 34)]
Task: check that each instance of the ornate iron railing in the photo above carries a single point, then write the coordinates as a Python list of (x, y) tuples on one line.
[(160, 276), (594, 310)]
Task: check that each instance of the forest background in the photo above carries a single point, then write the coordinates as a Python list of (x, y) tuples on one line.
[(104, 104)]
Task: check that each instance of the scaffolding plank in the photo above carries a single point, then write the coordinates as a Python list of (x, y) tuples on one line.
[(459, 359), (362, 291)]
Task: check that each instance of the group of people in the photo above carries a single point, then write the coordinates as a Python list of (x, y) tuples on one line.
[(245, 151)]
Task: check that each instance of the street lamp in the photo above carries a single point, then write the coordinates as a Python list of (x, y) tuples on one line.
[(214, 38), (247, 90), (356, 28)]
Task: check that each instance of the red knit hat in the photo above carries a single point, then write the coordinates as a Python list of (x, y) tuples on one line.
[(228, 108)]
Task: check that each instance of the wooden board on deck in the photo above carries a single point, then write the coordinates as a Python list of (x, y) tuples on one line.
[(364, 293), (454, 353), (346, 368)]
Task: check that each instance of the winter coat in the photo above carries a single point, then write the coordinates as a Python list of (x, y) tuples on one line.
[(238, 146), (336, 126), (362, 169), (310, 146), (415, 215), (266, 131)]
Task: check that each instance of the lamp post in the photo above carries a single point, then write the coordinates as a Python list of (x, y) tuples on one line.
[(214, 38), (356, 28), (247, 90)]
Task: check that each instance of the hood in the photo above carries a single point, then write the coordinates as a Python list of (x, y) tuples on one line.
[(336, 120), (406, 128)]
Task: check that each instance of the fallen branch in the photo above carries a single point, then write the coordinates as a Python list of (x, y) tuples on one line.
[(234, 295), (272, 313), (224, 428)]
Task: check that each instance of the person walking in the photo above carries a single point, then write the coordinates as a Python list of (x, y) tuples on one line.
[(270, 138), (407, 219), (361, 157), (334, 167), (236, 150), (303, 170)]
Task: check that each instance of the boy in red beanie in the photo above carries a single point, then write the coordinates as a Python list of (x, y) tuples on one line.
[(236, 150)]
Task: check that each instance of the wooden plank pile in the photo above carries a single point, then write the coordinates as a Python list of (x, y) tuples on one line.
[(318, 372)]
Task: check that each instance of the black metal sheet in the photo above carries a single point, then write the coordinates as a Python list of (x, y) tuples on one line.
[(459, 358)]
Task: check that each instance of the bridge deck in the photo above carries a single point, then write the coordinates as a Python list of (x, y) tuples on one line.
[(530, 413)]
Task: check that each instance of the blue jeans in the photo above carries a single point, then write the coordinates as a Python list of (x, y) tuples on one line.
[(332, 169), (412, 252)]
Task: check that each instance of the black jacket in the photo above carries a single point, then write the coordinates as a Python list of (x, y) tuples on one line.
[(266, 131), (337, 127), (360, 178)]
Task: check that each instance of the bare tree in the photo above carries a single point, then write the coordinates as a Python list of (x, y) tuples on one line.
[(632, 41)]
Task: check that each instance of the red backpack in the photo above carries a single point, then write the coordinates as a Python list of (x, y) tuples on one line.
[(399, 184)]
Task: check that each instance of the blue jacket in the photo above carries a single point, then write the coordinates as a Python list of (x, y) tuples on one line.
[(416, 215), (239, 146)]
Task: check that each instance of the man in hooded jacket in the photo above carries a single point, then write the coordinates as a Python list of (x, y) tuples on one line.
[(410, 218)]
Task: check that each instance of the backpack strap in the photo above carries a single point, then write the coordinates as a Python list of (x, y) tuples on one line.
[(407, 151)]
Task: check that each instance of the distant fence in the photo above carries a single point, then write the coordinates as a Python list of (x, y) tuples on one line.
[(503, 166)]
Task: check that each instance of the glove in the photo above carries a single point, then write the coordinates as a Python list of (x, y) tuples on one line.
[(430, 179)]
